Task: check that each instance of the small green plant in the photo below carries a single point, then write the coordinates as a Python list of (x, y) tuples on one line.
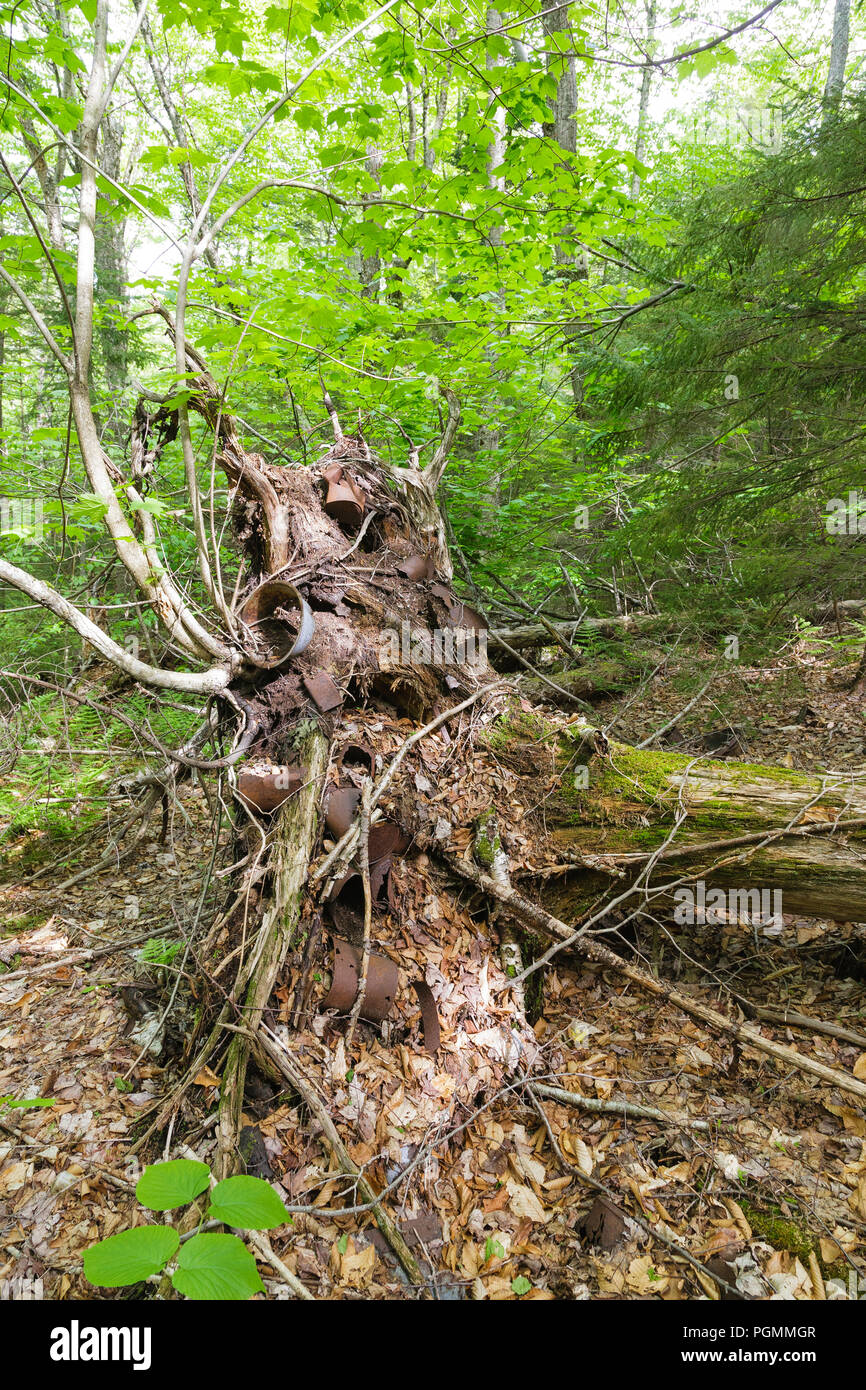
[(157, 951), (34, 1104), (208, 1265), (493, 1250), (520, 1285)]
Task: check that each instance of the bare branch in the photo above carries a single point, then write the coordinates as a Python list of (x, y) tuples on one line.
[(19, 193), (65, 362), (199, 683), (432, 474), (117, 66), (191, 254)]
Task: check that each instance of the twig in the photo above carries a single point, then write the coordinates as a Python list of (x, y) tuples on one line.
[(652, 1231), (677, 717), (77, 958), (791, 1019), (545, 680), (288, 1065), (615, 1107)]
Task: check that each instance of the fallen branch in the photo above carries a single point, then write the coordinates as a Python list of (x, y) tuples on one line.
[(536, 635), (652, 1231), (791, 1019), (82, 957), (364, 860), (616, 1107), (283, 1060), (588, 946), (294, 837)]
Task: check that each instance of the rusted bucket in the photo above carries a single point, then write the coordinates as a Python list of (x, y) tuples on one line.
[(342, 807), (270, 613), (382, 981), (265, 789), (344, 501)]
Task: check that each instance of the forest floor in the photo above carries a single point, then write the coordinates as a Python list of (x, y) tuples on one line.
[(772, 1188)]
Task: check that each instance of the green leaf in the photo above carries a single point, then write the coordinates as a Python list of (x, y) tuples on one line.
[(520, 1285), (130, 1256), (34, 1104), (154, 505), (163, 1186), (250, 1203), (216, 1267)]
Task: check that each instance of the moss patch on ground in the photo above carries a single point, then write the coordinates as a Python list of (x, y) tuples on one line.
[(783, 1233)]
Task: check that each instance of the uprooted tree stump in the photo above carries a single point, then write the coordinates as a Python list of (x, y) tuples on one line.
[(346, 605)]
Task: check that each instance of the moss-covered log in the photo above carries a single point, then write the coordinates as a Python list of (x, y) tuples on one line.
[(614, 806), (536, 635)]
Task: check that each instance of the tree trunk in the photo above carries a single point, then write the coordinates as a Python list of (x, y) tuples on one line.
[(321, 621), (835, 83), (563, 129), (536, 635), (731, 811), (643, 105)]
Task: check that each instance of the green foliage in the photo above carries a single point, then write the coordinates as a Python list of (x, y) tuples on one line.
[(248, 1203), (38, 1103), (209, 1265), (130, 1256), (164, 1186), (68, 753), (693, 387), (217, 1267), (157, 951)]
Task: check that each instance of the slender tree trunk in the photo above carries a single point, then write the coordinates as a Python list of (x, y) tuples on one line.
[(835, 84), (371, 261), (488, 435), (181, 136), (111, 266), (643, 106), (571, 261)]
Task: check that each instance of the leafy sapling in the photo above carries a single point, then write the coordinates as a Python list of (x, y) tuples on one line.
[(204, 1266)]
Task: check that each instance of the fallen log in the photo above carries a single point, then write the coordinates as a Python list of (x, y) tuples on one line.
[(746, 826), (537, 635), (293, 838)]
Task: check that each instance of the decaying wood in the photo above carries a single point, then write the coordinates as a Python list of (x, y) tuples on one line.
[(539, 635), (294, 836), (801, 834)]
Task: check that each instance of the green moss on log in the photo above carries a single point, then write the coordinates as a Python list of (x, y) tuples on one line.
[(487, 841)]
